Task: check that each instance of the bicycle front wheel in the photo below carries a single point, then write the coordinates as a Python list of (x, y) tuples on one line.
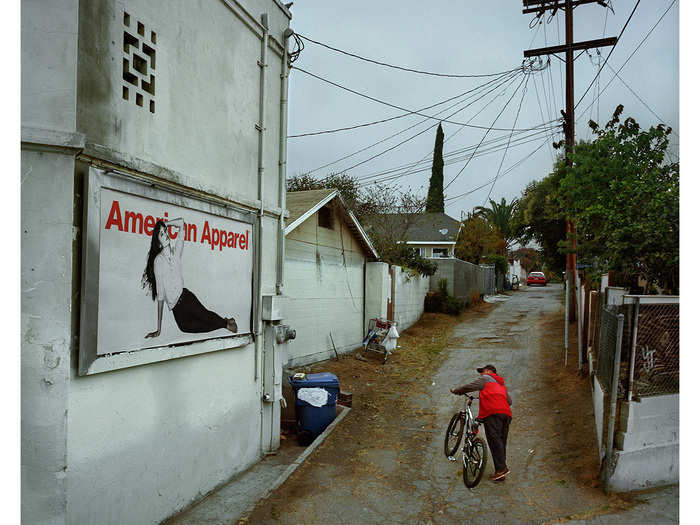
[(474, 462), (453, 436)]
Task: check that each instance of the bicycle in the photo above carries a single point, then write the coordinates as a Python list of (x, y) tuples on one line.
[(474, 455)]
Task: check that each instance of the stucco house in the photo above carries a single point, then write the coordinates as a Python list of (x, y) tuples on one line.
[(326, 253), (131, 112)]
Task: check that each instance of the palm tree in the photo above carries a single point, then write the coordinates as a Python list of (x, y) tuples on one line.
[(500, 215)]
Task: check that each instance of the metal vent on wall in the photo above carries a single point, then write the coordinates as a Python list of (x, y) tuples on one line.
[(139, 64)]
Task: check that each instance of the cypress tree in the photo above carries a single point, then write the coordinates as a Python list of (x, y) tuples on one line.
[(436, 198)]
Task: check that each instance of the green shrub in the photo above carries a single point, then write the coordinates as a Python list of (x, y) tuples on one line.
[(443, 302)]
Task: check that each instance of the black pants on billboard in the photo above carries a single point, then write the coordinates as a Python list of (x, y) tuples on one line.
[(496, 426), (191, 316)]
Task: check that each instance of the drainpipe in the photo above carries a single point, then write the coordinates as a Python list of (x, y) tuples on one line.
[(284, 90), (261, 172), (261, 179)]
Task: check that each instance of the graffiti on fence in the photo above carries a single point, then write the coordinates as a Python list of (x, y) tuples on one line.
[(648, 359)]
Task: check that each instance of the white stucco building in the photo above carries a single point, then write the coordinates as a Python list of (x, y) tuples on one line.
[(176, 107)]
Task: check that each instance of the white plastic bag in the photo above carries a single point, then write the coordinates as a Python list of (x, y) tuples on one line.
[(317, 397), (390, 340)]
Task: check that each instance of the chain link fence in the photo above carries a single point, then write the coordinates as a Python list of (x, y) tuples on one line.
[(607, 346), (657, 350), (650, 349)]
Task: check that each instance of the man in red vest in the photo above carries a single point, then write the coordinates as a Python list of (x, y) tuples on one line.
[(494, 411)]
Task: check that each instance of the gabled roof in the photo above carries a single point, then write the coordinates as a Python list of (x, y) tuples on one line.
[(304, 204), (431, 228)]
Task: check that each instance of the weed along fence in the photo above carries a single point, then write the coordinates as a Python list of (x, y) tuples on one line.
[(634, 360), (464, 279)]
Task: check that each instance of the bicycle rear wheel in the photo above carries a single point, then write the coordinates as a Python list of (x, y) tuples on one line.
[(474, 462), (453, 436)]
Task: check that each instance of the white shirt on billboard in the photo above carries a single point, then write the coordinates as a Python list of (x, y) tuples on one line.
[(168, 271)]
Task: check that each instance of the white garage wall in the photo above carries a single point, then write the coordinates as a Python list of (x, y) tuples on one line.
[(324, 279)]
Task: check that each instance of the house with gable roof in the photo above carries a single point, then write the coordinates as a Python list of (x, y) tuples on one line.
[(434, 235)]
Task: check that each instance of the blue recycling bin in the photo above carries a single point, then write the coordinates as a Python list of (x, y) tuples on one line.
[(314, 419)]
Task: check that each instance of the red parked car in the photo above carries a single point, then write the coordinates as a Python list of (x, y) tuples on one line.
[(536, 278)]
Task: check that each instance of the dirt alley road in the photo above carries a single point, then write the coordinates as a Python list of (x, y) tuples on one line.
[(385, 462)]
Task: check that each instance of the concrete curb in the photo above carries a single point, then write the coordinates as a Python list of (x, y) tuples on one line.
[(300, 459)]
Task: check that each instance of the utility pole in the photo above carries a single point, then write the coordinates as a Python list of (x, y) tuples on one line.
[(540, 7)]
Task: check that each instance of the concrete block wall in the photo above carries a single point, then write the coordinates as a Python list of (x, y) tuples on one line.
[(646, 440), (463, 278), (647, 444), (409, 297), (377, 288)]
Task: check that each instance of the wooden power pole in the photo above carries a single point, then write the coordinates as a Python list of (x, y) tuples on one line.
[(540, 7)]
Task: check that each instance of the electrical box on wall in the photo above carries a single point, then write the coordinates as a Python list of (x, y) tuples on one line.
[(273, 307)]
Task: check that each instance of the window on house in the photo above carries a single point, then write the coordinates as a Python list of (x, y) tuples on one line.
[(440, 252), (421, 251), (325, 218)]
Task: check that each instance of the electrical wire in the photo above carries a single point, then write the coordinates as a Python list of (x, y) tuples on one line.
[(406, 140), (429, 153), (453, 157), (611, 52), (485, 135), (542, 115), (402, 68), (640, 99), (511, 168), (505, 152), (393, 105), (633, 52), (366, 124), (499, 83)]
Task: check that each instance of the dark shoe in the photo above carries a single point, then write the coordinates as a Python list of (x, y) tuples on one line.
[(506, 471)]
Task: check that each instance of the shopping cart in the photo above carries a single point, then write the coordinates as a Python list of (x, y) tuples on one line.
[(376, 339)]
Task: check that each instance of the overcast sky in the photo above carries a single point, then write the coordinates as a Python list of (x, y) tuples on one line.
[(466, 38)]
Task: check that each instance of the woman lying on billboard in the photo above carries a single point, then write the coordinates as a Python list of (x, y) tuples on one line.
[(163, 276)]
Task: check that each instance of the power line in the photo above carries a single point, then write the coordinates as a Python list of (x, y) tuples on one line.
[(542, 115), (611, 51), (484, 137), (394, 105), (640, 98), (500, 82), (406, 140), (411, 167), (402, 68), (453, 157), (515, 122), (356, 126), (511, 168), (633, 52)]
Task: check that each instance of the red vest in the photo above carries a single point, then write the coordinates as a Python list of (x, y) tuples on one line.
[(493, 398)]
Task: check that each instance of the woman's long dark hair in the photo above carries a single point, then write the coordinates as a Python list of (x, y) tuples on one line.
[(148, 281)]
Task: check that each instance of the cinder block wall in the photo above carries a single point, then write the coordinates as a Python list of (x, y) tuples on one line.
[(409, 298), (646, 440), (463, 278)]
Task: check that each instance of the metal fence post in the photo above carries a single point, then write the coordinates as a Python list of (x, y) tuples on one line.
[(566, 326), (633, 350), (613, 404)]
